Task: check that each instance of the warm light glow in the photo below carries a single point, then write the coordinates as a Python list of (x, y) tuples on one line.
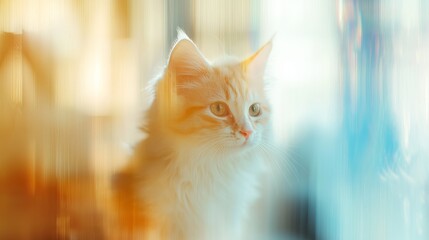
[(349, 90)]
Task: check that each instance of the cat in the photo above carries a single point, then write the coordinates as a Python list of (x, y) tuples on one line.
[(196, 173)]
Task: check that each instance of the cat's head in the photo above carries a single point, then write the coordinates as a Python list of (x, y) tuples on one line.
[(222, 104)]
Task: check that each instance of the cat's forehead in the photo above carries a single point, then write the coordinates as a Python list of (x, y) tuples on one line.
[(231, 81), (231, 72), (225, 81)]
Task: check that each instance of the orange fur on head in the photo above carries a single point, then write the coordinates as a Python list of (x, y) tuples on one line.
[(190, 84)]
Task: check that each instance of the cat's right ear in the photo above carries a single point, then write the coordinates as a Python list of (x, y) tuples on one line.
[(186, 62)]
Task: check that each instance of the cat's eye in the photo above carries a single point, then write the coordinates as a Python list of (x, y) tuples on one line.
[(255, 110), (219, 109)]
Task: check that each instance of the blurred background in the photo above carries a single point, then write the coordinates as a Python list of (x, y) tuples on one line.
[(348, 79)]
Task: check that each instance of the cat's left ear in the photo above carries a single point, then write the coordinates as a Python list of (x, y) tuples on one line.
[(186, 61), (254, 66)]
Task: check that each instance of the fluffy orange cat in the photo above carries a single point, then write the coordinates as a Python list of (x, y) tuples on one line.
[(195, 175)]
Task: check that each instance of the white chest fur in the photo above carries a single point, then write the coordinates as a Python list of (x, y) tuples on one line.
[(205, 198)]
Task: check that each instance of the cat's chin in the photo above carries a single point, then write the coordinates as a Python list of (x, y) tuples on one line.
[(249, 145), (245, 145)]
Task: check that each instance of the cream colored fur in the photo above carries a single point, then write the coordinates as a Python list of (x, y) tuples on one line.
[(191, 178)]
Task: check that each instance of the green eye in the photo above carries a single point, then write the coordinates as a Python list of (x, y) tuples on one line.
[(219, 109), (255, 110)]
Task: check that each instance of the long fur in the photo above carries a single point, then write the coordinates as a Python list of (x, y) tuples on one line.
[(195, 175)]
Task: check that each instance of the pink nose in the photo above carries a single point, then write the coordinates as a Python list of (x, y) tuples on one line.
[(246, 133)]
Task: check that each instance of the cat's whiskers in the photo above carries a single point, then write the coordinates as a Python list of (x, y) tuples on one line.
[(281, 159)]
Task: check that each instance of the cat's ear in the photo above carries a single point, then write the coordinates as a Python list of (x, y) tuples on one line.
[(186, 62), (255, 65)]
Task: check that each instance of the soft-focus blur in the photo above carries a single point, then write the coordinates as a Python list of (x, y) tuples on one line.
[(348, 79)]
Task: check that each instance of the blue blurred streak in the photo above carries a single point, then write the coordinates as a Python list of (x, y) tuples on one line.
[(370, 138), (355, 199)]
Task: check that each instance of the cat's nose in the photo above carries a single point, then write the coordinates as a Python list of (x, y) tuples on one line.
[(246, 133)]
